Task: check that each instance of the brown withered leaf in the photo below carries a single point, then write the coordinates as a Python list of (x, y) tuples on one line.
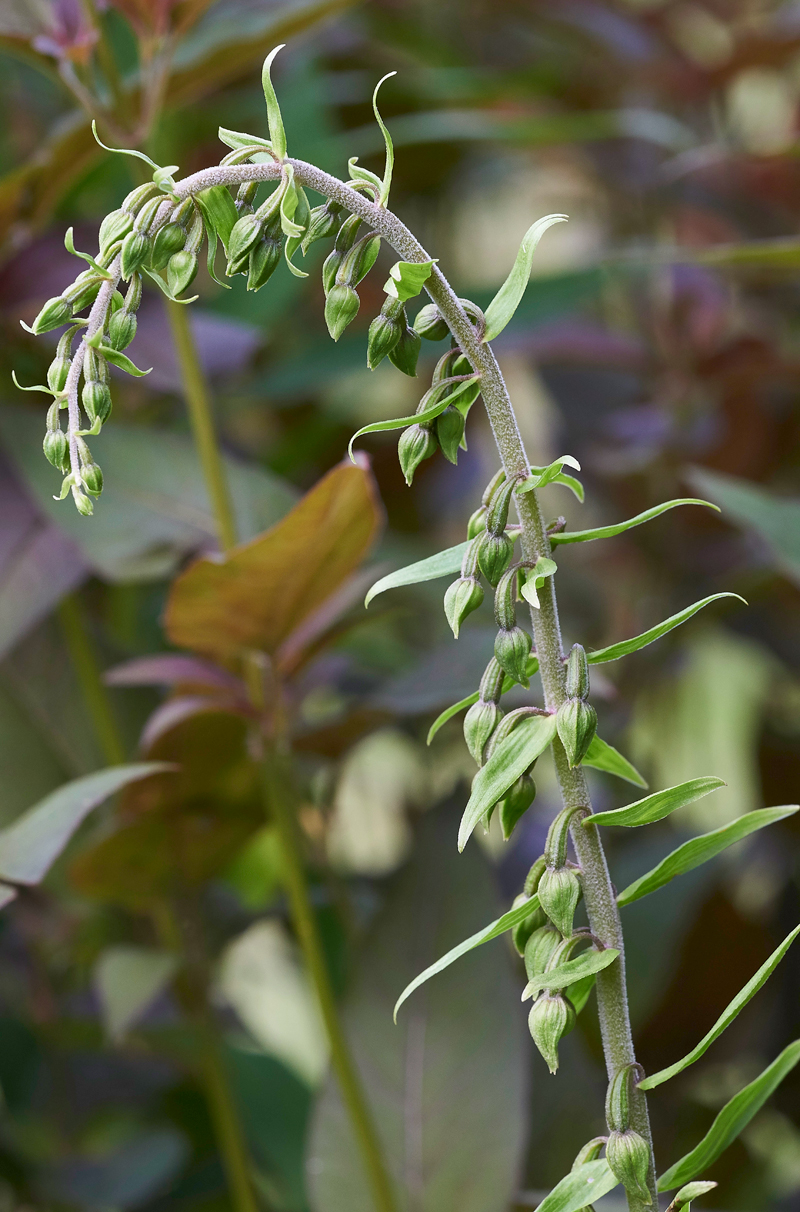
[(260, 592)]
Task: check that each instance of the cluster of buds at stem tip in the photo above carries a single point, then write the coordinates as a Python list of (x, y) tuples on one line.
[(627, 1153), (559, 887), (576, 720)]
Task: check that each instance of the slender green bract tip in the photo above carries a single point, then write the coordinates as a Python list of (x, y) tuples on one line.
[(277, 133), (387, 172)]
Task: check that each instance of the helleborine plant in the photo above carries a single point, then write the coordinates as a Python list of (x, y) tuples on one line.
[(254, 205)]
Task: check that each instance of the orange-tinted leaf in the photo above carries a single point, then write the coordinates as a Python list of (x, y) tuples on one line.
[(258, 594)]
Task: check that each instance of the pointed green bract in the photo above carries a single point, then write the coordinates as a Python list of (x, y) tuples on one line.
[(121, 361), (386, 184), (540, 476), (238, 140), (579, 1188), (655, 807), (438, 404), (507, 300), (444, 563), (69, 244), (608, 532), (726, 1018), (732, 1119), (536, 578), (605, 757), (531, 668), (276, 132), (614, 651), (700, 849), (689, 1193), (507, 922), (566, 974), (407, 278), (510, 759)]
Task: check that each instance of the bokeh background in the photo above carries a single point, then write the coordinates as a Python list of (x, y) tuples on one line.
[(658, 343)]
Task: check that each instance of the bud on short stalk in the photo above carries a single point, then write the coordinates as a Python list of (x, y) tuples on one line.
[(55, 312), (96, 400), (405, 353), (430, 324), (559, 892), (384, 331), (576, 722), (265, 255), (515, 803), (416, 444), (244, 235), (324, 222), (494, 555), (59, 368), (477, 522), (181, 271), (341, 308), (450, 426), (551, 1018), (479, 724), (512, 647), (114, 228), (628, 1156), (121, 329), (245, 196), (540, 948), (535, 920), (460, 599), (168, 239), (497, 510), (135, 252), (56, 445)]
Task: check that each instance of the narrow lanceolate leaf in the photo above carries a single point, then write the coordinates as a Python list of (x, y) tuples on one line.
[(605, 757), (580, 1188), (508, 297), (732, 1119), (655, 807), (276, 132), (507, 922), (532, 667), (438, 403), (726, 1018), (564, 975), (444, 563), (407, 278), (30, 845), (699, 850), (386, 184), (614, 651), (608, 532), (510, 759)]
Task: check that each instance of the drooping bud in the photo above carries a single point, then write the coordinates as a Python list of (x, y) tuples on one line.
[(505, 600), (135, 251), (358, 261), (59, 368), (491, 684), (577, 673), (121, 329), (551, 1018), (479, 724), (244, 234), (450, 432), (524, 929), (618, 1098), (92, 478), (84, 290), (416, 444), (460, 599), (430, 324), (55, 312), (405, 353), (576, 722), (497, 511), (136, 199), (56, 449), (540, 948), (324, 222), (345, 239), (477, 522), (245, 197), (169, 239), (628, 1156), (82, 503), (559, 892), (96, 400), (512, 649), (494, 555), (264, 259), (181, 271), (341, 308), (491, 488), (384, 332), (515, 803), (114, 228)]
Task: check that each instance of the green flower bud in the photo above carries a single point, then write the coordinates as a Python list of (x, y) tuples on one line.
[(577, 673), (92, 478), (169, 239), (479, 724), (505, 600), (416, 444), (244, 234), (245, 197), (540, 949), (181, 270), (84, 290), (491, 685), (406, 352), (430, 325), (628, 1156), (551, 1018), (512, 649), (330, 268), (82, 503), (136, 199), (59, 368), (477, 522), (534, 875), (559, 891), (55, 312), (347, 234), (460, 599), (524, 929), (114, 228), (121, 329), (384, 333), (576, 722), (135, 251), (618, 1098), (95, 366), (515, 803), (494, 555), (265, 257), (323, 222), (497, 511), (450, 432), (358, 261), (56, 449), (96, 400), (341, 308)]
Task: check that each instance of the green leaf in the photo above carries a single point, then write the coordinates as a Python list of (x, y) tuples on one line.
[(579, 992), (688, 1193), (274, 120), (655, 807), (121, 361), (536, 578), (69, 244), (492, 931), (726, 1018), (162, 286), (564, 975), (218, 210), (238, 140), (605, 757), (386, 184), (575, 486), (32, 843), (510, 759), (48, 391), (507, 299), (614, 651), (699, 850), (429, 413), (545, 475), (289, 203), (407, 278), (444, 563), (532, 667), (301, 219), (732, 1119), (579, 1188), (608, 532)]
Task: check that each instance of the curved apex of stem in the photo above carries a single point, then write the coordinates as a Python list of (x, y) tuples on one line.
[(277, 133)]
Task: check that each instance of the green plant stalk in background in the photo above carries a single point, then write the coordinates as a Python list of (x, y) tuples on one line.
[(94, 691)]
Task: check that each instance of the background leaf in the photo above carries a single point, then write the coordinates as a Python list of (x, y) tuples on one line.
[(655, 807)]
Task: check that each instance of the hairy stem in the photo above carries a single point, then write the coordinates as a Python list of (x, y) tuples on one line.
[(95, 694)]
